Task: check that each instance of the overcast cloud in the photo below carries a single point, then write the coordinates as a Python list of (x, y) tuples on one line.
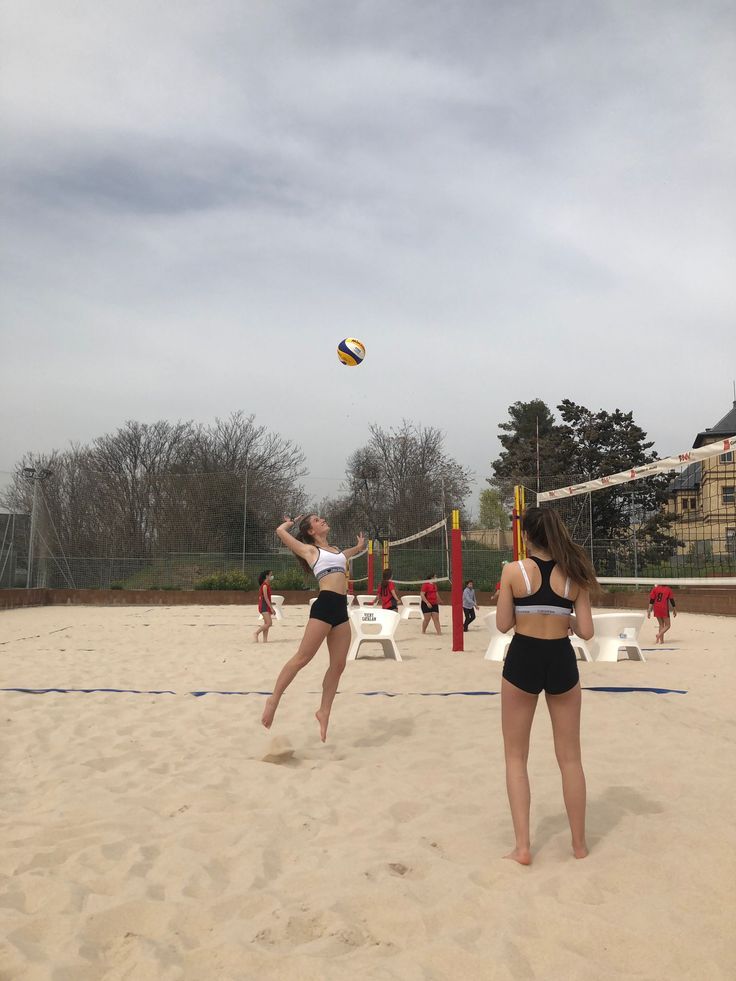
[(503, 200)]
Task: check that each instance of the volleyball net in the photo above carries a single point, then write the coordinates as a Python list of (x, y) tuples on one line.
[(671, 520), (412, 559)]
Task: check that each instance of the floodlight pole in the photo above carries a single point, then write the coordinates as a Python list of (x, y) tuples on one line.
[(245, 512), (34, 478)]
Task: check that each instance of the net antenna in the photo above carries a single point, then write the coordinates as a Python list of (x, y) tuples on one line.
[(671, 520)]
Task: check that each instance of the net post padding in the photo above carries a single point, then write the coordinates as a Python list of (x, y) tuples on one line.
[(457, 584), (370, 565), (516, 515)]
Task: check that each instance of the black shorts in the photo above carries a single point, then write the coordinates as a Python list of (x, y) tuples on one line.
[(533, 664), (330, 607), (263, 608), (426, 608)]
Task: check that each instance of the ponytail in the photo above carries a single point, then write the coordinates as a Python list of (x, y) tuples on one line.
[(545, 528), (305, 536)]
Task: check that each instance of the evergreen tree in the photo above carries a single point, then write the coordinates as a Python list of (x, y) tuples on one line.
[(530, 423)]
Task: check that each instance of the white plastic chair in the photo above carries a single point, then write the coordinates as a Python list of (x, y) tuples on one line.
[(374, 626), (365, 599), (499, 643), (582, 651), (412, 606), (277, 603), (615, 632)]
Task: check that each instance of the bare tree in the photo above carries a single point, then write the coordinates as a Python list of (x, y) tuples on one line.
[(401, 481), (152, 489)]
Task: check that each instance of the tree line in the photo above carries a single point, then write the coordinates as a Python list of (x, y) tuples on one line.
[(161, 488), (148, 489)]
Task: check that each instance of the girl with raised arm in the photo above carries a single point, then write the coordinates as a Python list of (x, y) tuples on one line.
[(538, 597), (328, 617)]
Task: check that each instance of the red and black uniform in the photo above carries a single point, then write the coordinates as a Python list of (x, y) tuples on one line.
[(660, 599), (429, 598), (385, 593), (264, 598)]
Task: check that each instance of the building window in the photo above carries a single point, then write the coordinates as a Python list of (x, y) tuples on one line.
[(688, 503), (728, 495), (726, 457), (731, 541)]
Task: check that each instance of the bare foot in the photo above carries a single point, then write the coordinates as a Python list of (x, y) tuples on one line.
[(255, 636), (580, 851), (269, 711), (323, 718), (521, 855)]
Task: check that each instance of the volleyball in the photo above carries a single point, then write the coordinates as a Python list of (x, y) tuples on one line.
[(351, 351)]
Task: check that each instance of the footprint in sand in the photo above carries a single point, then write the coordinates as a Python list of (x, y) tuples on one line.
[(280, 750)]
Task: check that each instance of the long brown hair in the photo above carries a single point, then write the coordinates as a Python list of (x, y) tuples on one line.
[(385, 580), (305, 535), (546, 529)]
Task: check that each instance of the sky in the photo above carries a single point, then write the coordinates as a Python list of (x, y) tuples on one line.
[(503, 200)]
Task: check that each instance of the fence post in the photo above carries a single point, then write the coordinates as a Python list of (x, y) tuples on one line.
[(457, 583)]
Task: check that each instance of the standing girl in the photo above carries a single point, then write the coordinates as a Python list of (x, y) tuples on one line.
[(430, 603), (386, 593), (469, 604), (265, 607), (328, 618), (538, 596)]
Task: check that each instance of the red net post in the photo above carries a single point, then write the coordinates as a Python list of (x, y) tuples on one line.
[(457, 583)]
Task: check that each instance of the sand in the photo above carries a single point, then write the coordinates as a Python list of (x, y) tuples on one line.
[(168, 836)]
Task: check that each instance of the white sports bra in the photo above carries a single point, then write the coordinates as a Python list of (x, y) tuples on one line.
[(329, 562)]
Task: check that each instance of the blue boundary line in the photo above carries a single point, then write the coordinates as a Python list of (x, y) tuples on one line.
[(386, 694)]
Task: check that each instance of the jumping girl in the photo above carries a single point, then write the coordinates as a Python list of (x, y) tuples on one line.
[(538, 596), (328, 618), (265, 607)]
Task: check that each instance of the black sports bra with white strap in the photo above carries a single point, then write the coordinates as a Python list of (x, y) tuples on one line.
[(545, 600)]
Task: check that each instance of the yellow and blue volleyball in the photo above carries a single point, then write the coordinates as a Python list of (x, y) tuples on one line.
[(351, 351)]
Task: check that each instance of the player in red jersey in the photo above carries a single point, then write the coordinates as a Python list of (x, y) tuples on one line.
[(660, 600), (386, 594), (265, 606), (430, 603)]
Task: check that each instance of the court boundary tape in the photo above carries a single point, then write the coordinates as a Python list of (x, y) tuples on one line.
[(386, 694)]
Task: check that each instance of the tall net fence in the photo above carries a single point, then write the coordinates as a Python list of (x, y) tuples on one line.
[(676, 524), (217, 530)]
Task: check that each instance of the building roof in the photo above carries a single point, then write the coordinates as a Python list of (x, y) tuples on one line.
[(688, 480), (724, 427)]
